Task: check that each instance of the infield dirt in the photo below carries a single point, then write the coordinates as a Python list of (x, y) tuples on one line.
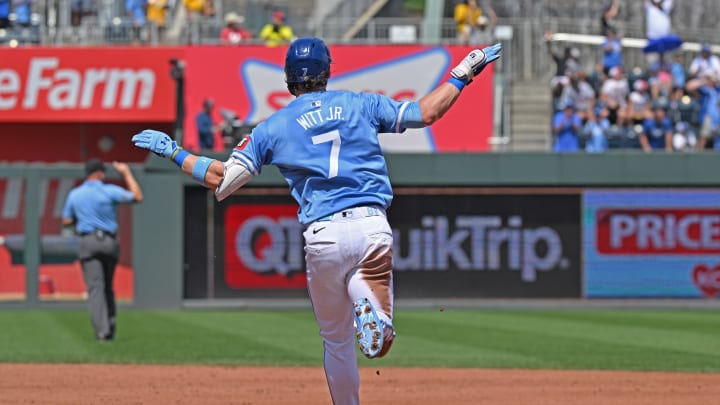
[(78, 384)]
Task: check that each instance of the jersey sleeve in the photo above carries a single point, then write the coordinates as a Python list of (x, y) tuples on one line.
[(69, 209), (254, 151), (118, 194), (388, 114)]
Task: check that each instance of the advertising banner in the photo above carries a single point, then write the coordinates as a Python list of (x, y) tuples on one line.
[(87, 84), (467, 243), (249, 82), (652, 243), (491, 244)]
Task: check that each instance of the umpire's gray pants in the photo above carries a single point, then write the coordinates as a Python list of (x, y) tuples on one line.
[(98, 254)]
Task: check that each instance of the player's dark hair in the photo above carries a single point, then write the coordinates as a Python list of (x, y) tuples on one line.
[(310, 85)]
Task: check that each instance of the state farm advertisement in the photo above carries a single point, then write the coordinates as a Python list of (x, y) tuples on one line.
[(659, 243), (250, 82), (87, 84)]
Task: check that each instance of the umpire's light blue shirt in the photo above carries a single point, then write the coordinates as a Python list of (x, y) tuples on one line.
[(93, 205)]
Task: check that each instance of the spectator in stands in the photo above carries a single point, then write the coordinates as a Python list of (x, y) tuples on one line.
[(596, 128), (706, 88), (475, 24), (137, 9), (638, 107), (677, 71), (233, 33), (277, 33), (657, 131), (660, 79), (610, 13), (78, 10), (565, 63), (4, 13), (684, 139), (704, 63), (205, 127), (612, 51), (614, 95), (581, 94), (197, 11), (566, 128), (657, 18), (675, 105), (467, 15), (156, 16), (23, 12)]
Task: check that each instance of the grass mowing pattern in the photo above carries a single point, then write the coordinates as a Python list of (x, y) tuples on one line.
[(679, 340)]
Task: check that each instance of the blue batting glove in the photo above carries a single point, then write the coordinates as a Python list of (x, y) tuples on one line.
[(475, 62), (156, 141)]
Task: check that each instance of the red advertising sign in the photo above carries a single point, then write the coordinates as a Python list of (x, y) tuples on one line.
[(250, 82), (667, 231), (263, 247), (87, 84)]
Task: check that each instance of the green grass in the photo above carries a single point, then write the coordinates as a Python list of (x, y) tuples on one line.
[(680, 340)]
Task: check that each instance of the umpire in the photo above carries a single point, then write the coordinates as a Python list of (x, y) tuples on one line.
[(92, 208)]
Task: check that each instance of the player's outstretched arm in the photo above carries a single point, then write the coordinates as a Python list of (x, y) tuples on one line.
[(434, 105), (206, 171)]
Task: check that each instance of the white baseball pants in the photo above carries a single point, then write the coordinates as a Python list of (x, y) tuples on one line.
[(348, 256)]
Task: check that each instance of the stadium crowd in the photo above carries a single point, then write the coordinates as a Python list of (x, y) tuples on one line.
[(140, 21), (667, 105)]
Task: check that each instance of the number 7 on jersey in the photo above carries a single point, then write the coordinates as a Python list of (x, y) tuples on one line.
[(334, 137)]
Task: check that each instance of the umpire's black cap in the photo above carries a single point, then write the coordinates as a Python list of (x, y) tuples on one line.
[(94, 165)]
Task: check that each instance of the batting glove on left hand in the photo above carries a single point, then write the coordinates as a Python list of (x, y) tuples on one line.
[(156, 141), (475, 62)]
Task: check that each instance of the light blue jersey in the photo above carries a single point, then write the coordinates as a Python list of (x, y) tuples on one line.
[(93, 205), (326, 146)]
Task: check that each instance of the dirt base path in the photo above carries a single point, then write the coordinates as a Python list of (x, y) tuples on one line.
[(146, 384)]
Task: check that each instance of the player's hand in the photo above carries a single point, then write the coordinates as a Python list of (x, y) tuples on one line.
[(475, 62), (155, 141)]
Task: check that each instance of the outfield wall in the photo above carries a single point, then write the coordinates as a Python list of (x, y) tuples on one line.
[(466, 226), (625, 225)]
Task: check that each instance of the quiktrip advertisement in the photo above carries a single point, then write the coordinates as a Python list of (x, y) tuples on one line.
[(472, 244)]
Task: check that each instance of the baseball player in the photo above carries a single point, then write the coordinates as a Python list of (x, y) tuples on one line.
[(326, 146)]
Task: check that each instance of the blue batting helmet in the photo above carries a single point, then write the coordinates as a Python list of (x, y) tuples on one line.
[(307, 59)]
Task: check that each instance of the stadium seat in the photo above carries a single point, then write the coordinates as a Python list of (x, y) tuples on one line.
[(616, 136), (632, 137)]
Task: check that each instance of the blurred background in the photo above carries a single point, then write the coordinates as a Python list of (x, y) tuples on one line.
[(581, 165)]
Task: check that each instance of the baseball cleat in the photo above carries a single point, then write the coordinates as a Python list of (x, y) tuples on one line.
[(389, 335), (373, 335)]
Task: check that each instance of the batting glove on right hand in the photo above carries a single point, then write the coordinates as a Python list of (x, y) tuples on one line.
[(156, 141), (475, 62)]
